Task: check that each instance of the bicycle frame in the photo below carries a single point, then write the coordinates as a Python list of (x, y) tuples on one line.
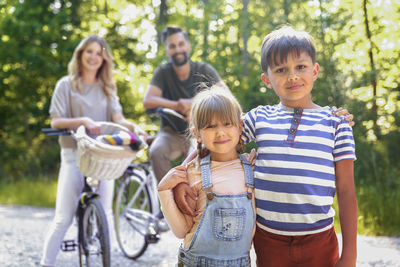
[(146, 179), (86, 195)]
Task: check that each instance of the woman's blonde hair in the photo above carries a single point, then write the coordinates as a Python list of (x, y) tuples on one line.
[(104, 74), (214, 102)]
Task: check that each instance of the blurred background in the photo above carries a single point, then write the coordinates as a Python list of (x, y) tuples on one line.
[(358, 49)]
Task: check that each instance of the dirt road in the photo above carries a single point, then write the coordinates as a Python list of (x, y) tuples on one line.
[(22, 231)]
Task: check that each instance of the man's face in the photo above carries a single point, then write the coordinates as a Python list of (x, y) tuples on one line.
[(178, 49)]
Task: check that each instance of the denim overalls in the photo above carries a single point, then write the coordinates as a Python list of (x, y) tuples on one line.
[(224, 234)]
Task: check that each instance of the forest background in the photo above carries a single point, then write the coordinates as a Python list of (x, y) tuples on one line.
[(358, 49)]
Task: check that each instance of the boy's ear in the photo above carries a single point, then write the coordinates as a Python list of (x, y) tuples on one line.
[(266, 80), (315, 71)]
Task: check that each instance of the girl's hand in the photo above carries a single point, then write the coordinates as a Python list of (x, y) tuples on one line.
[(91, 126), (344, 112), (173, 177)]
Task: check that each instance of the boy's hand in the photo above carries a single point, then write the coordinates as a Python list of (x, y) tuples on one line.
[(344, 112), (173, 177), (253, 157), (181, 192)]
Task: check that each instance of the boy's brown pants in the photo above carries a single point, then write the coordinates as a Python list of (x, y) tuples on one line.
[(317, 250)]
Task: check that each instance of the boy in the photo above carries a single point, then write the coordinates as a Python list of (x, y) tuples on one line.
[(301, 148)]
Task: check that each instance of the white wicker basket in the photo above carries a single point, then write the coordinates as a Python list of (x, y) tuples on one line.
[(99, 160)]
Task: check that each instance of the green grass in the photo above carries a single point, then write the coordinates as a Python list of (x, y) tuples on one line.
[(35, 192), (378, 212), (378, 207)]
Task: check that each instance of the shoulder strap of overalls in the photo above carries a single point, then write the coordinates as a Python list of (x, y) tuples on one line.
[(206, 172), (248, 171)]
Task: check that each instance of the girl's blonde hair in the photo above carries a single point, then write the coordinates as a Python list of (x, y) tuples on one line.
[(104, 74), (214, 102)]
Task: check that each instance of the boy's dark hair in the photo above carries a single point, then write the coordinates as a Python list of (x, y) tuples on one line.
[(283, 41), (170, 30)]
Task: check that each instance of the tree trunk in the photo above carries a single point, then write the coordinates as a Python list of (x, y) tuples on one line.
[(205, 30), (371, 55), (286, 5), (75, 19), (245, 38), (325, 61), (162, 20)]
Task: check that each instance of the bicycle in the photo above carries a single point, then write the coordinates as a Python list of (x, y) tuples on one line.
[(136, 205), (93, 240)]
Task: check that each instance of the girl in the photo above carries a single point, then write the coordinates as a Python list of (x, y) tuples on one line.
[(87, 95), (222, 231)]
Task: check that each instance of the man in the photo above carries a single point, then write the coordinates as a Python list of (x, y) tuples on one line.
[(173, 85)]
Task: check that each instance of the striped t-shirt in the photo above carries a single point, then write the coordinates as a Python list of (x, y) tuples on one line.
[(295, 171)]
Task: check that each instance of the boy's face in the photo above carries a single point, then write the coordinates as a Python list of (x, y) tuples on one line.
[(293, 80)]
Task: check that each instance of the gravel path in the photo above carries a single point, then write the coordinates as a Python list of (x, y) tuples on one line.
[(22, 230)]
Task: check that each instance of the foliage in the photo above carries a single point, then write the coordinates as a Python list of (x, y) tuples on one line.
[(38, 38)]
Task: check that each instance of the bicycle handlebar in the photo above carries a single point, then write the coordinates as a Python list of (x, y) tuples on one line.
[(52, 132), (166, 113), (162, 111)]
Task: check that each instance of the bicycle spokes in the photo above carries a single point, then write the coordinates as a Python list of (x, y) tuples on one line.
[(139, 199), (132, 216), (94, 245)]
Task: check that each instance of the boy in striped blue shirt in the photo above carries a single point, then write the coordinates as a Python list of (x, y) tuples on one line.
[(305, 154)]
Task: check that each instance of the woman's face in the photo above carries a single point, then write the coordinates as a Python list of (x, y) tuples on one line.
[(92, 57)]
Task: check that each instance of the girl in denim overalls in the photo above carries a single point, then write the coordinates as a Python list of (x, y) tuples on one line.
[(222, 232)]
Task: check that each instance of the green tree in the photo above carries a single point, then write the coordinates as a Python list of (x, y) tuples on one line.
[(35, 44)]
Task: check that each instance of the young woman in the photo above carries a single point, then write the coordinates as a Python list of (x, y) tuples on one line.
[(222, 231), (84, 97)]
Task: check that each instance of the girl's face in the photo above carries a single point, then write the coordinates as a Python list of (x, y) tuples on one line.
[(92, 57), (220, 138)]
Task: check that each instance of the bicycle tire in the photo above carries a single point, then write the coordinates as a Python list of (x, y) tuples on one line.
[(132, 198), (93, 236)]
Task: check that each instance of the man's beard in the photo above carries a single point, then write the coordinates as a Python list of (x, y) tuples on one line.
[(182, 62)]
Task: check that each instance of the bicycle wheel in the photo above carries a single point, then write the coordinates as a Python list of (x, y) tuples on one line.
[(94, 239), (132, 213)]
